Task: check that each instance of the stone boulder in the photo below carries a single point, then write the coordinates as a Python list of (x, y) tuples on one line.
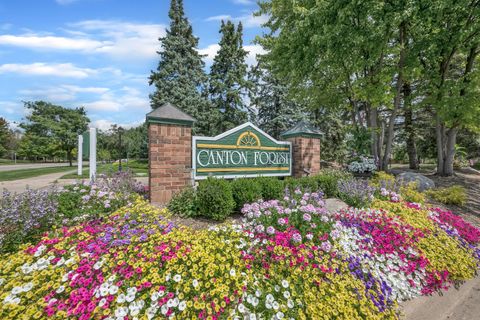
[(423, 182), (334, 205)]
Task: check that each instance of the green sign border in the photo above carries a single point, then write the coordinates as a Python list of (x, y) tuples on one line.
[(268, 144)]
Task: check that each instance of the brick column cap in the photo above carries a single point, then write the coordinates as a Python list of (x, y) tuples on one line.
[(169, 114), (302, 129)]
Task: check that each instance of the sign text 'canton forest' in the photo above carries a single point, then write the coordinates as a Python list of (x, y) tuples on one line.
[(244, 151)]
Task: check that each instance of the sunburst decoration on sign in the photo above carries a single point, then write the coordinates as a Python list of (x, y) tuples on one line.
[(248, 139)]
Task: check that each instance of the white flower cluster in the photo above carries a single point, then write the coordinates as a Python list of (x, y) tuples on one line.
[(366, 165), (388, 267), (274, 303)]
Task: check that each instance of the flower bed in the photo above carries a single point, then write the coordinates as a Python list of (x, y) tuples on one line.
[(290, 259)]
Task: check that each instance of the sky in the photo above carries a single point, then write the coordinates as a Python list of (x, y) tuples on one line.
[(99, 53)]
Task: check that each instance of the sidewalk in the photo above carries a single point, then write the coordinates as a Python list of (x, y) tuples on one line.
[(35, 182), (461, 304)]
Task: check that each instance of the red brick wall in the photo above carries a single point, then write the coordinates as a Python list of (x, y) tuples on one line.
[(306, 155), (170, 160)]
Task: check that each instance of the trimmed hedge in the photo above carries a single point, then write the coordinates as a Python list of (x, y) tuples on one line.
[(245, 191), (215, 199)]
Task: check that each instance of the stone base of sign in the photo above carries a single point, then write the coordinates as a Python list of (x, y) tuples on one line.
[(170, 158), (305, 155)]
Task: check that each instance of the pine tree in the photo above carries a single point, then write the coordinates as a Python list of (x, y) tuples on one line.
[(228, 83), (180, 77), (276, 111)]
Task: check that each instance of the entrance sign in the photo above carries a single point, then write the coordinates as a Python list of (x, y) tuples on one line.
[(244, 151)]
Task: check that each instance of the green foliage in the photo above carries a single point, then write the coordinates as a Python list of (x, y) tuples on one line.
[(277, 110), (5, 136), (51, 128), (381, 177), (228, 80), (452, 195), (180, 76), (410, 193), (183, 203), (215, 199), (272, 187), (308, 184), (245, 191)]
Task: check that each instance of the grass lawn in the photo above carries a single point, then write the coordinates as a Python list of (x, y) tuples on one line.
[(9, 161), (138, 170), (29, 173)]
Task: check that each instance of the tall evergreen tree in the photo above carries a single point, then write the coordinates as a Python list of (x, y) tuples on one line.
[(276, 110), (228, 83), (180, 77)]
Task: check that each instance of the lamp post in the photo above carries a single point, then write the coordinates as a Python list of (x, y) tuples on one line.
[(120, 131)]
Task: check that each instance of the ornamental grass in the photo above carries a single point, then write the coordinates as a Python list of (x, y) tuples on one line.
[(289, 259)]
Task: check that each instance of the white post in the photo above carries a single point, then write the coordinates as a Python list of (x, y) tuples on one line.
[(93, 153), (80, 155)]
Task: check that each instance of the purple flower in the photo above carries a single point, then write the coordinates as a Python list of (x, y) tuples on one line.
[(326, 246), (307, 217), (270, 230), (297, 237)]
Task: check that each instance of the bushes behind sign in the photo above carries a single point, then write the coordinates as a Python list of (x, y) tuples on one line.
[(217, 198)]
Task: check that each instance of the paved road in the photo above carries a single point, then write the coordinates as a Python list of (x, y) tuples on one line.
[(35, 182), (10, 167), (44, 182)]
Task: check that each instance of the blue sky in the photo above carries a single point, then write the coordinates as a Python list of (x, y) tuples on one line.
[(99, 53)]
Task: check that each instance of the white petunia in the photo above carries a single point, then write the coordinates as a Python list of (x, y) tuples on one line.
[(182, 305), (17, 290), (195, 283), (290, 304), (113, 290), (285, 283), (177, 278), (121, 298), (129, 297), (241, 308), (286, 294)]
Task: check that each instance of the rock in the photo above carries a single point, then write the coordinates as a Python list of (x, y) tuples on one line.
[(423, 182), (335, 205)]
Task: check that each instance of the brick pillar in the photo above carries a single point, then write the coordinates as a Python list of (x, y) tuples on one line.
[(169, 152), (170, 160), (305, 155), (305, 141)]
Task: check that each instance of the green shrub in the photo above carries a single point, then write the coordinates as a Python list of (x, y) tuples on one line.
[(410, 193), (245, 191), (451, 195), (272, 187), (215, 199), (382, 178), (183, 203), (304, 183)]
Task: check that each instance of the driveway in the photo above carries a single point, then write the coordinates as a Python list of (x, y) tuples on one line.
[(35, 182)]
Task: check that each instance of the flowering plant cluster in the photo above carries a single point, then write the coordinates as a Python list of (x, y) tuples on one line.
[(364, 165), (25, 216), (289, 259)]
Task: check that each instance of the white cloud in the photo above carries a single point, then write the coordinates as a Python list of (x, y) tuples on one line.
[(124, 37), (103, 105), (65, 2), (59, 93), (251, 59), (9, 107), (48, 69), (52, 42), (114, 38), (209, 52), (248, 20), (126, 99), (104, 124), (244, 2)]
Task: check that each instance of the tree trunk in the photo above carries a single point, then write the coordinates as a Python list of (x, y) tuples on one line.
[(69, 156), (440, 138), (449, 152), (397, 99), (410, 128)]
